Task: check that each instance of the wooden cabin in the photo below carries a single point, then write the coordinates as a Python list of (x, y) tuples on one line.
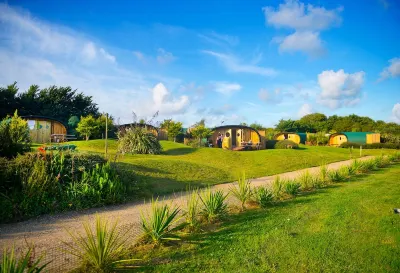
[(238, 137), (161, 134), (354, 137), (45, 129), (295, 137)]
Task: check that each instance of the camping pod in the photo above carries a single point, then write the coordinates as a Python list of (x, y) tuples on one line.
[(161, 134), (295, 137), (361, 138), (45, 129), (237, 137)]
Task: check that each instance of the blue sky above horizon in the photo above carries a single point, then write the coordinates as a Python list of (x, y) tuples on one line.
[(225, 61)]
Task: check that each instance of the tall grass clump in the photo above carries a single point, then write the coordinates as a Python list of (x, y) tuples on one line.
[(323, 174), (306, 180), (242, 191), (292, 188), (157, 226), (100, 249), (336, 176), (137, 140), (24, 264), (192, 209), (278, 187), (263, 196), (214, 205), (355, 167)]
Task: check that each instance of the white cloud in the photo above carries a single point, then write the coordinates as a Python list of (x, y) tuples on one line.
[(226, 88), (307, 21), (396, 112), (232, 64), (304, 110), (339, 89), (393, 70), (220, 39), (107, 56), (164, 57), (165, 104)]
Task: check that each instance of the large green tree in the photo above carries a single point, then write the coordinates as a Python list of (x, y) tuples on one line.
[(87, 126)]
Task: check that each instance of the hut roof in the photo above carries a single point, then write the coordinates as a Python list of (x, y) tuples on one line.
[(237, 127), (356, 137), (43, 117)]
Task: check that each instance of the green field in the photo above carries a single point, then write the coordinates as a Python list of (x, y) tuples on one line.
[(347, 227), (180, 165)]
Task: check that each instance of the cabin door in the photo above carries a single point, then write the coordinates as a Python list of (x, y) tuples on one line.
[(285, 136), (234, 137)]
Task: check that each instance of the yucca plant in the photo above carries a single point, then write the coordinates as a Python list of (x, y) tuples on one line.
[(158, 225), (323, 174), (335, 176), (242, 191), (263, 196), (100, 249), (354, 167), (278, 187), (138, 140), (25, 264), (192, 209), (292, 188), (381, 161), (306, 180), (214, 205)]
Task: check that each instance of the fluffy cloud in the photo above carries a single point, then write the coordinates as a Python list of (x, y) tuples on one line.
[(339, 89), (164, 57), (396, 112), (226, 88), (393, 70), (165, 104), (305, 109), (232, 64), (307, 22)]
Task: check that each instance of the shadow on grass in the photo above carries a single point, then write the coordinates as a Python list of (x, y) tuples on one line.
[(179, 151)]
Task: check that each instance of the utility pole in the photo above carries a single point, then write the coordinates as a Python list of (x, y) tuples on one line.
[(106, 144)]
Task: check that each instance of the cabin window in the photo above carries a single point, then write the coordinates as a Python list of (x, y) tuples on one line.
[(31, 124), (238, 134), (340, 138)]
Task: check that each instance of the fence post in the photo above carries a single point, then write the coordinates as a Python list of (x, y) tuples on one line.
[(360, 151)]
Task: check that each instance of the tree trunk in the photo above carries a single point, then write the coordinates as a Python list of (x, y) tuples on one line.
[(87, 137)]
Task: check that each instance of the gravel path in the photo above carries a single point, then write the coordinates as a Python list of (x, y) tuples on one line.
[(47, 232)]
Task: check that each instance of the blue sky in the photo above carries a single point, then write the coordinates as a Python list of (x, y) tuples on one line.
[(225, 61)]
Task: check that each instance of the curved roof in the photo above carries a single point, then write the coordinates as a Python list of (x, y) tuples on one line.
[(356, 137), (303, 136), (236, 126), (43, 117)]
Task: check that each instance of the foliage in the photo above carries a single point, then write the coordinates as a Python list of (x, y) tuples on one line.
[(292, 188), (214, 205), (336, 176), (87, 126), (174, 128), (242, 191), (14, 136), (323, 174), (192, 209), (101, 126), (25, 264), (99, 249), (137, 140), (57, 102), (270, 144), (286, 144), (263, 196), (319, 138), (278, 186), (257, 126), (306, 180), (200, 131), (158, 225)]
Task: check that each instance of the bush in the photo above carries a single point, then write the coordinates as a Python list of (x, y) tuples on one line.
[(350, 145), (286, 144), (192, 209), (263, 196), (243, 190), (306, 180), (270, 144), (137, 140), (386, 145), (214, 205), (26, 263), (277, 187), (292, 188), (14, 136)]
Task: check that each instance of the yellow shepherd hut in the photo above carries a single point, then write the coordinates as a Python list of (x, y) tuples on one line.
[(238, 137), (354, 137), (295, 137)]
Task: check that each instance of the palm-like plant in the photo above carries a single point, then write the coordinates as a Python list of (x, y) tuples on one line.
[(263, 196), (101, 248), (192, 209), (214, 205), (242, 191), (277, 186), (11, 264), (157, 226), (292, 188)]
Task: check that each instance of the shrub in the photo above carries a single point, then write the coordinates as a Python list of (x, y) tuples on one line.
[(306, 180), (350, 145), (354, 167), (14, 136), (371, 145), (138, 140), (286, 144), (99, 249), (25, 264), (192, 209), (277, 186), (336, 176), (157, 226), (214, 205), (292, 188), (323, 174), (270, 144), (243, 190), (263, 196), (394, 157)]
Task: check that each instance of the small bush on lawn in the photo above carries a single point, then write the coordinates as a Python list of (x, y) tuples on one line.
[(263, 196), (14, 136), (270, 144), (214, 205), (371, 145), (157, 226), (292, 188), (101, 249), (355, 167), (137, 140), (286, 144), (350, 145), (336, 176), (24, 264), (242, 191), (323, 174)]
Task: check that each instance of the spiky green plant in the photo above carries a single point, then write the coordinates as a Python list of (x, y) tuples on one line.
[(306, 180), (25, 264), (345, 172), (138, 140), (335, 176), (278, 187), (355, 167), (101, 248), (214, 205), (292, 188), (192, 209), (158, 225), (264, 196), (381, 161), (323, 174), (242, 191)]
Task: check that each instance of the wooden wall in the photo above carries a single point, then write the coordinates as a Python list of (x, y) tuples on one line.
[(373, 138), (336, 140)]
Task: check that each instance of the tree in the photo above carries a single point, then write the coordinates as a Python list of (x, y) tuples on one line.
[(199, 132), (87, 126), (73, 122), (14, 136), (101, 126), (8, 102), (174, 128), (257, 126)]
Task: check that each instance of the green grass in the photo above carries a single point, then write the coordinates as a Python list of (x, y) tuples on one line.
[(348, 227), (180, 166)]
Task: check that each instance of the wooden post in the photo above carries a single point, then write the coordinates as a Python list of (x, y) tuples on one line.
[(360, 151), (106, 144)]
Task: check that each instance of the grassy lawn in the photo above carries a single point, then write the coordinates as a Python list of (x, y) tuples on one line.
[(349, 227), (180, 165)]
